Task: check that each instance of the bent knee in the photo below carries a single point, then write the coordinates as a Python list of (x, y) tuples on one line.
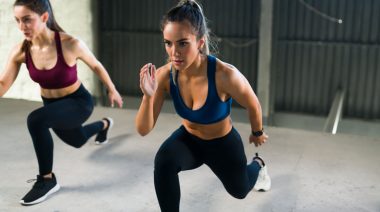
[(33, 119), (74, 142), (238, 193), (77, 146)]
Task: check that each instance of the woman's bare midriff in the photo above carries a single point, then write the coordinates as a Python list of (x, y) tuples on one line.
[(61, 92), (209, 131)]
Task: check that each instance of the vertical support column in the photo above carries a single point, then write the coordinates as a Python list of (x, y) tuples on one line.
[(265, 56), (335, 114)]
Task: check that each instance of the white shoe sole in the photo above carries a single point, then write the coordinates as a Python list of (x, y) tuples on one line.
[(41, 199), (101, 143), (263, 189)]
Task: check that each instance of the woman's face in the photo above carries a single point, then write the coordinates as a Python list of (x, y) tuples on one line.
[(29, 22), (181, 44)]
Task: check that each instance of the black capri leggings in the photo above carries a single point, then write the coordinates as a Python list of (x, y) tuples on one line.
[(183, 151), (65, 116)]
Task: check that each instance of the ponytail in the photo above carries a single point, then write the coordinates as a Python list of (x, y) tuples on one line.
[(52, 23)]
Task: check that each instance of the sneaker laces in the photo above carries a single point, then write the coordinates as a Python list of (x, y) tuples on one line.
[(260, 159), (31, 180), (39, 182)]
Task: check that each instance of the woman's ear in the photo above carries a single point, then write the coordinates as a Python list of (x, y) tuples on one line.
[(201, 43), (45, 17)]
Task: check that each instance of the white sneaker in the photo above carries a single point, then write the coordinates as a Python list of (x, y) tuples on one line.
[(263, 182)]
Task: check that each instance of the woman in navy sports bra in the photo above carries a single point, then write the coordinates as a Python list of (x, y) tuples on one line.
[(202, 88), (50, 56)]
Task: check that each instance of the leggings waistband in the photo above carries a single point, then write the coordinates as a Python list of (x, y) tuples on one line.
[(80, 92)]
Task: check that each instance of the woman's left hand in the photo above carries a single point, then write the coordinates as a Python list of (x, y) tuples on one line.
[(258, 141), (113, 97)]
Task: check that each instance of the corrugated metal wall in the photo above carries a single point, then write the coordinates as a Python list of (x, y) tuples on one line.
[(314, 56), (130, 36)]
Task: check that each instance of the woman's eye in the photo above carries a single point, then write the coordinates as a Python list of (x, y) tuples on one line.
[(167, 43), (182, 44)]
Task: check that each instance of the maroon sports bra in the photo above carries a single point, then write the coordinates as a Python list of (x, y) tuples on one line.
[(60, 76)]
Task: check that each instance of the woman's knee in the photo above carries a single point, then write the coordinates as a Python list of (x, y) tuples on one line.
[(238, 194), (76, 144), (237, 189), (34, 119), (74, 141)]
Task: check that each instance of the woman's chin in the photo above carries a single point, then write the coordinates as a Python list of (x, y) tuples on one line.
[(178, 65), (28, 37)]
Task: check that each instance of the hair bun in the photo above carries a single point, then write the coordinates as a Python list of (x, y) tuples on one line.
[(189, 2)]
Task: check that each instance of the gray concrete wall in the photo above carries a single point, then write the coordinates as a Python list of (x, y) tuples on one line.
[(77, 18)]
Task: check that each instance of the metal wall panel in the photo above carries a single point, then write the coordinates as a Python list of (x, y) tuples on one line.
[(130, 36), (126, 52), (314, 56)]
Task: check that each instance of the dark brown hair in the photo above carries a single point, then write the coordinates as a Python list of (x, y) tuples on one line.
[(191, 11), (39, 7)]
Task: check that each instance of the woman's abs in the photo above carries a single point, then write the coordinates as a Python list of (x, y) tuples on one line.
[(209, 131), (61, 92)]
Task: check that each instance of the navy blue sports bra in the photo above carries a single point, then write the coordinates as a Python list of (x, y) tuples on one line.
[(213, 110)]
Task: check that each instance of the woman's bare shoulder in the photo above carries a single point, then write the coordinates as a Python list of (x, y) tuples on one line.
[(70, 42), (164, 70), (163, 76), (224, 71), (17, 54)]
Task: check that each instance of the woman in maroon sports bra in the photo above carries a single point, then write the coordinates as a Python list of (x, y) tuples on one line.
[(51, 56)]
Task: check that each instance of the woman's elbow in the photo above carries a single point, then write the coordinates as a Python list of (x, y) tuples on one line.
[(143, 131), (2, 89)]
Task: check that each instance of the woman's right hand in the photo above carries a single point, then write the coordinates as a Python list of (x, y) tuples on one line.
[(148, 82)]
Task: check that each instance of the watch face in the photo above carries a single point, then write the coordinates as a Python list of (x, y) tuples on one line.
[(257, 133)]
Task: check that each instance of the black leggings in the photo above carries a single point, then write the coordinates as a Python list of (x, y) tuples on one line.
[(65, 116), (183, 151)]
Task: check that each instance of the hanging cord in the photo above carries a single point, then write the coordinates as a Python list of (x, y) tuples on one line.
[(236, 45), (253, 41), (318, 12)]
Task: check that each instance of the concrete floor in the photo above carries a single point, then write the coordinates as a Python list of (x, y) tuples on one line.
[(310, 171)]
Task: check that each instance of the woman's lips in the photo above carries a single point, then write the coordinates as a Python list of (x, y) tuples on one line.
[(177, 62)]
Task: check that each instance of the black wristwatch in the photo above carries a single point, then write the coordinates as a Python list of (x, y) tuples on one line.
[(258, 133)]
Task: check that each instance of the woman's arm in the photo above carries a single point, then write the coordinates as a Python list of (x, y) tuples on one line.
[(237, 86), (84, 54), (153, 88), (12, 68)]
